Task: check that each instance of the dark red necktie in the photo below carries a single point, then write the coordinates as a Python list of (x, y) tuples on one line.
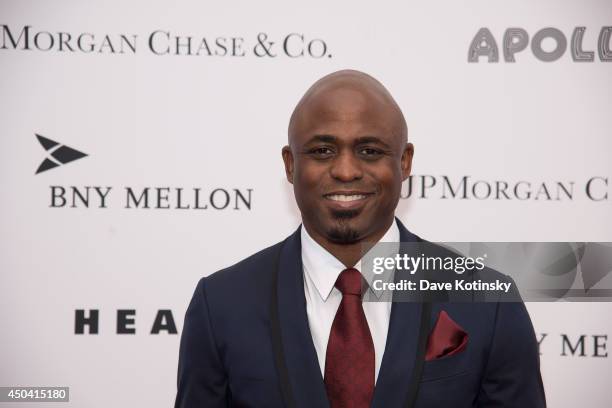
[(349, 361)]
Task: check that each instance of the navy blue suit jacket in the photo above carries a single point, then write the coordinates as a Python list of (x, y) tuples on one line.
[(246, 343)]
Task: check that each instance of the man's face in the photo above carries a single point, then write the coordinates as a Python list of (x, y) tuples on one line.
[(347, 159)]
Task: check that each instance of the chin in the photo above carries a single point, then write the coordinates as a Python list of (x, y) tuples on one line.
[(344, 235), (345, 227)]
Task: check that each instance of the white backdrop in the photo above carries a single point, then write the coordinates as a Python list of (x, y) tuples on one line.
[(219, 122)]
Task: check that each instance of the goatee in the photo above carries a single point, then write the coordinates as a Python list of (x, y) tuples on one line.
[(343, 233)]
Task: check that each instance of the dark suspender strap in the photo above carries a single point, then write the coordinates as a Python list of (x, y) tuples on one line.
[(419, 361), (277, 340)]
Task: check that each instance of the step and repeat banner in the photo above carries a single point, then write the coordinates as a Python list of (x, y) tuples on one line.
[(141, 150)]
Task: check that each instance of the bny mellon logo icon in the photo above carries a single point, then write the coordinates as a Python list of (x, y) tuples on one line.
[(59, 154)]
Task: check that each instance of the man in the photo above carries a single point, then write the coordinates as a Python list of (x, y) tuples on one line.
[(287, 327)]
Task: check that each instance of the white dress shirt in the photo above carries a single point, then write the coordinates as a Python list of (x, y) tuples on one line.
[(321, 270)]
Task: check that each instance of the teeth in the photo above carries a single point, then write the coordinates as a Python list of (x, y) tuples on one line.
[(344, 197)]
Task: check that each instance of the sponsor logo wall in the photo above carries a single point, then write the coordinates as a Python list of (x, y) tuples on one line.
[(141, 151)]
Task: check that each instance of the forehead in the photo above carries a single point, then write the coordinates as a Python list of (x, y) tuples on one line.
[(346, 113)]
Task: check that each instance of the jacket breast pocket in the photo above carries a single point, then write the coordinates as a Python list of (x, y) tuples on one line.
[(446, 367)]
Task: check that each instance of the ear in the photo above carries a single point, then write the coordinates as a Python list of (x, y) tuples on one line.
[(288, 159), (406, 160)]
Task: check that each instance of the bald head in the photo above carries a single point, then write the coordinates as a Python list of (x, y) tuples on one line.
[(343, 95)]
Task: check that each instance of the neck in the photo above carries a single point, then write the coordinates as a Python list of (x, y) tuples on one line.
[(349, 254)]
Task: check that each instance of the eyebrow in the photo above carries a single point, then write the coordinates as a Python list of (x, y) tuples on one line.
[(372, 139), (358, 141), (322, 138)]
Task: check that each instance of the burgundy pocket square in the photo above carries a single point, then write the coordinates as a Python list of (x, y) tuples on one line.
[(446, 339)]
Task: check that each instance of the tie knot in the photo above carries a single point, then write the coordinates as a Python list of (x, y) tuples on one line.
[(349, 282)]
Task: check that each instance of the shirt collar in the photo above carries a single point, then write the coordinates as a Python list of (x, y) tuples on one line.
[(323, 268)]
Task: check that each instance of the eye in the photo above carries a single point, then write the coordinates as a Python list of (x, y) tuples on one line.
[(321, 152), (370, 152)]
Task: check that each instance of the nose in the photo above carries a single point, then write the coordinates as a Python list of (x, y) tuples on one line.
[(346, 167)]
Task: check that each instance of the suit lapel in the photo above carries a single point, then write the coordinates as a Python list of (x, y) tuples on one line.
[(301, 365), (398, 362), (300, 356)]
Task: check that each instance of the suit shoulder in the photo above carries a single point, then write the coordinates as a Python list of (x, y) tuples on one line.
[(240, 291), (444, 251), (256, 267), (487, 276)]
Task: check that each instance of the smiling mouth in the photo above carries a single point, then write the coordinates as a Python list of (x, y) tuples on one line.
[(346, 197)]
